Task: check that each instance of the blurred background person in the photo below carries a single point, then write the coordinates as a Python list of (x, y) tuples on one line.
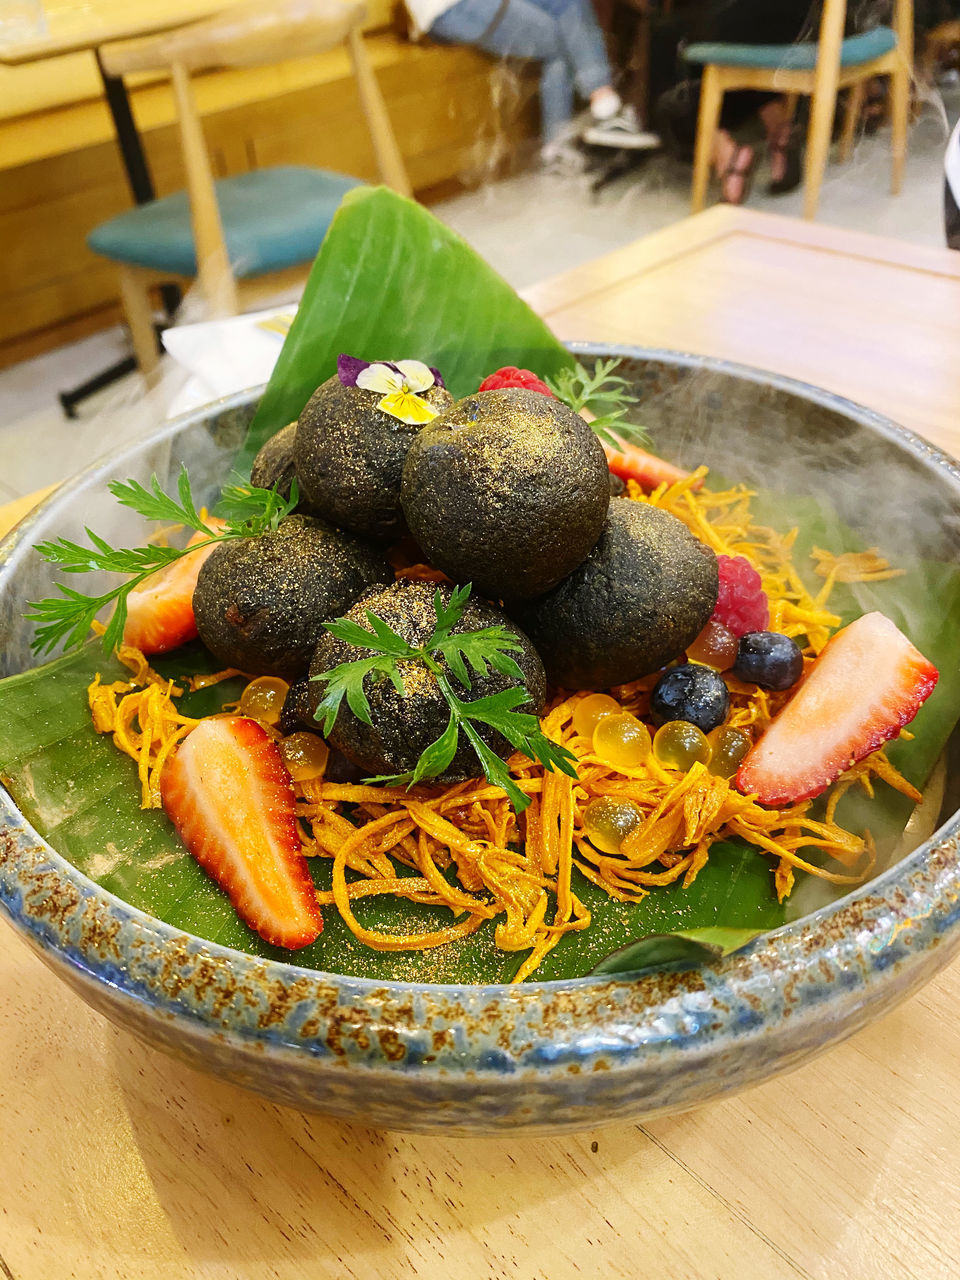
[(951, 190), (565, 38), (676, 109)]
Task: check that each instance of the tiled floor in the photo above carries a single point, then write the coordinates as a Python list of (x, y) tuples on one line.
[(528, 227)]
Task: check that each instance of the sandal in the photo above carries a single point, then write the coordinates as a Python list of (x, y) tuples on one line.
[(736, 179), (786, 148)]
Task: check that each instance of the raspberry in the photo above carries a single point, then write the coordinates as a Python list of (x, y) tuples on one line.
[(742, 604), (511, 376)]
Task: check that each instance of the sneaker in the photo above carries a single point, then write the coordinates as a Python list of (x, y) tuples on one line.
[(605, 106), (562, 159), (623, 131)]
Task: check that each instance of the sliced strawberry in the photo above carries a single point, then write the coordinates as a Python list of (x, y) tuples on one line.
[(160, 610), (868, 682), (630, 463), (228, 794)]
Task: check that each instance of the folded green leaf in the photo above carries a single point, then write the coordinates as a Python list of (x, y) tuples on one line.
[(391, 282), (688, 947)]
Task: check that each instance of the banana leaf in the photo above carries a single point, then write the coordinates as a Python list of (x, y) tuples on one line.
[(370, 295), (687, 947), (83, 796)]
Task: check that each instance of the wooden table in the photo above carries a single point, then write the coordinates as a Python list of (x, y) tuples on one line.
[(71, 26), (117, 1162)]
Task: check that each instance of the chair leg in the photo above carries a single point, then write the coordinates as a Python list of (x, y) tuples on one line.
[(138, 310), (790, 101), (711, 103), (822, 109), (899, 120), (855, 97)]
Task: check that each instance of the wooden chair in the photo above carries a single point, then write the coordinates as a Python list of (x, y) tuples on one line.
[(819, 71), (228, 232)]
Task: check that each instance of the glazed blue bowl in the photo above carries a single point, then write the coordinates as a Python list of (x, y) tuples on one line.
[(546, 1056)]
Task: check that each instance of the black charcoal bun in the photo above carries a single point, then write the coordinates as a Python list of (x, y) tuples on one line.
[(349, 457), (643, 594), (260, 603), (405, 725), (508, 490)]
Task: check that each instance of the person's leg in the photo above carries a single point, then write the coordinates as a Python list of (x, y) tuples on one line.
[(521, 31), (556, 99), (734, 163), (586, 53), (783, 146)]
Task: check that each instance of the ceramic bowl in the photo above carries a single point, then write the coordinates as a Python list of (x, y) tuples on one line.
[(542, 1056)]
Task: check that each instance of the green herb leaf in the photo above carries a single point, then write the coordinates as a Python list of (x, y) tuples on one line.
[(448, 615), (346, 681), (614, 430), (155, 504), (495, 771), (248, 512), (580, 389), (605, 397), (481, 650), (252, 511), (438, 755)]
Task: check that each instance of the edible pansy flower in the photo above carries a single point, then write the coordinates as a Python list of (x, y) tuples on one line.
[(400, 383)]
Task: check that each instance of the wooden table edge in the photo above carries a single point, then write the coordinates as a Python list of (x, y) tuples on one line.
[(720, 222)]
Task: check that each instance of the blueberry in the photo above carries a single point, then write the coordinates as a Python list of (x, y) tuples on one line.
[(768, 659), (690, 692)]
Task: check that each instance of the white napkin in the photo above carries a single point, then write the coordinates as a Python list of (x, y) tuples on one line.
[(223, 356)]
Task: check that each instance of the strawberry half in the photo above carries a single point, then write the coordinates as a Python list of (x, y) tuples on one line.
[(630, 463), (228, 794), (868, 682), (160, 611)]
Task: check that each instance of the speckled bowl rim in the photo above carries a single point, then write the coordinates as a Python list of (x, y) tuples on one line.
[(905, 919)]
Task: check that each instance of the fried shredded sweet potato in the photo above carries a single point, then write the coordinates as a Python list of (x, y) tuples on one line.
[(465, 848)]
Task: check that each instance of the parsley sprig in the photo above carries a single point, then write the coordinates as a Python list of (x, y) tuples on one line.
[(246, 511), (445, 653), (607, 397)]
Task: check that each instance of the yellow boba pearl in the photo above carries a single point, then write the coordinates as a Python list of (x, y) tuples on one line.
[(729, 746), (680, 745), (263, 699), (305, 756), (591, 710), (622, 741), (607, 822)]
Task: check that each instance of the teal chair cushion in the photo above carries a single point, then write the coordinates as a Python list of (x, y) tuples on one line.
[(855, 50), (272, 218)]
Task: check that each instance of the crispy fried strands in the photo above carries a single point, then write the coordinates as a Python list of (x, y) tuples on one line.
[(852, 566), (144, 721), (723, 521), (464, 848)]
